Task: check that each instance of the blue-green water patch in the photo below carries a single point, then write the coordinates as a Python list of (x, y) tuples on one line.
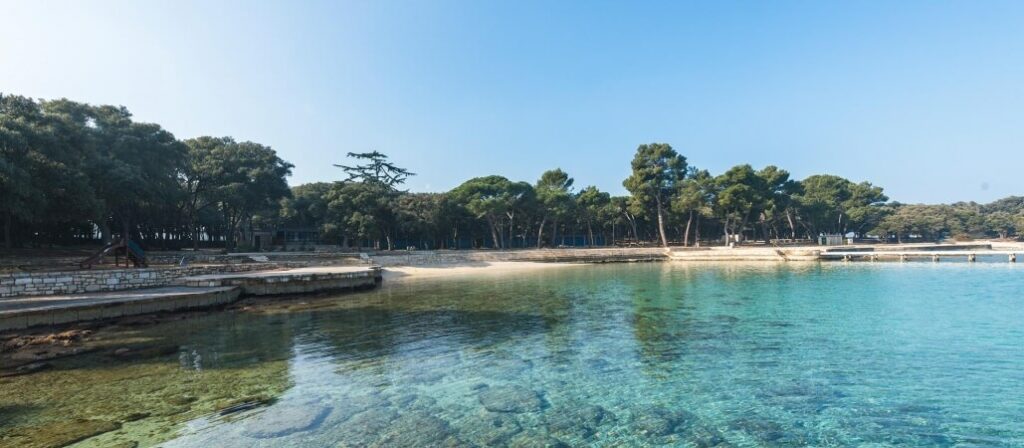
[(854, 354)]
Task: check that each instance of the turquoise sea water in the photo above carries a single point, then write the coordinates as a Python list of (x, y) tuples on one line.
[(661, 354)]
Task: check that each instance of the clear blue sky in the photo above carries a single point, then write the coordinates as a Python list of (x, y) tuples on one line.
[(923, 98)]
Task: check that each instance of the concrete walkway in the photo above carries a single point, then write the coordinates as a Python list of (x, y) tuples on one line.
[(191, 293), (24, 312), (291, 281)]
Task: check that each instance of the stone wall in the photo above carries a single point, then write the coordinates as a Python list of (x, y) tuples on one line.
[(74, 282)]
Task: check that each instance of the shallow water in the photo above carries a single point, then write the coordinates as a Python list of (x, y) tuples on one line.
[(856, 354)]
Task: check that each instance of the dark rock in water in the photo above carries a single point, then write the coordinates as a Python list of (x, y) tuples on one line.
[(365, 427), (576, 422), (702, 437), (763, 430), (146, 352), (515, 399), (244, 405), (284, 419), (413, 401), (534, 440), (490, 428), (27, 369), (600, 365), (181, 400), (135, 416), (725, 318), (351, 405), (416, 429), (661, 421), (911, 408), (594, 414), (67, 432)]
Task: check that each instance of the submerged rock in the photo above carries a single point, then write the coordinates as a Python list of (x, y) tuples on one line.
[(514, 399), (27, 369), (239, 406), (703, 436), (284, 419), (764, 430), (413, 401), (490, 428), (534, 440), (661, 421), (365, 427), (145, 352), (416, 429), (67, 432), (346, 407), (576, 422)]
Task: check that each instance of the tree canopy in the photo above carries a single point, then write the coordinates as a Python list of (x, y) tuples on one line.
[(78, 173)]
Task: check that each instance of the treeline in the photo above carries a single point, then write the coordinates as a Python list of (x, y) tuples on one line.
[(72, 172)]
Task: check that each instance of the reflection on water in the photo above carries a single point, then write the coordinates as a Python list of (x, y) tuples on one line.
[(618, 355)]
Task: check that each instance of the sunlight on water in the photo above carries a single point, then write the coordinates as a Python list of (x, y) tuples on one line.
[(914, 354)]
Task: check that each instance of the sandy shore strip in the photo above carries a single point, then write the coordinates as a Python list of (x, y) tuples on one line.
[(404, 273)]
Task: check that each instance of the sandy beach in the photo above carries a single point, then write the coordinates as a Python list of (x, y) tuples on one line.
[(409, 273)]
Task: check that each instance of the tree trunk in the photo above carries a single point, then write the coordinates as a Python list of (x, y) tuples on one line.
[(554, 233), (686, 233), (540, 231), (511, 219), (590, 231), (764, 228), (792, 229), (661, 223), (105, 233), (494, 234), (696, 232)]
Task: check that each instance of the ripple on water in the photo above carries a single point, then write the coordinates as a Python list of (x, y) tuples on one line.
[(618, 355)]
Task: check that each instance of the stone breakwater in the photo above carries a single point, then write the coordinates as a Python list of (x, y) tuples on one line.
[(190, 293), (87, 281), (293, 281)]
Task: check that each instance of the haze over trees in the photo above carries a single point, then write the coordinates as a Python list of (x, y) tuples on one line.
[(73, 173)]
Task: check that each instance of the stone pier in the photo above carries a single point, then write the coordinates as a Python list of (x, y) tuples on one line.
[(194, 292)]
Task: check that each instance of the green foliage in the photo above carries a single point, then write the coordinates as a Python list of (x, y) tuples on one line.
[(71, 170), (593, 206), (494, 198), (832, 204), (377, 169), (657, 169)]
